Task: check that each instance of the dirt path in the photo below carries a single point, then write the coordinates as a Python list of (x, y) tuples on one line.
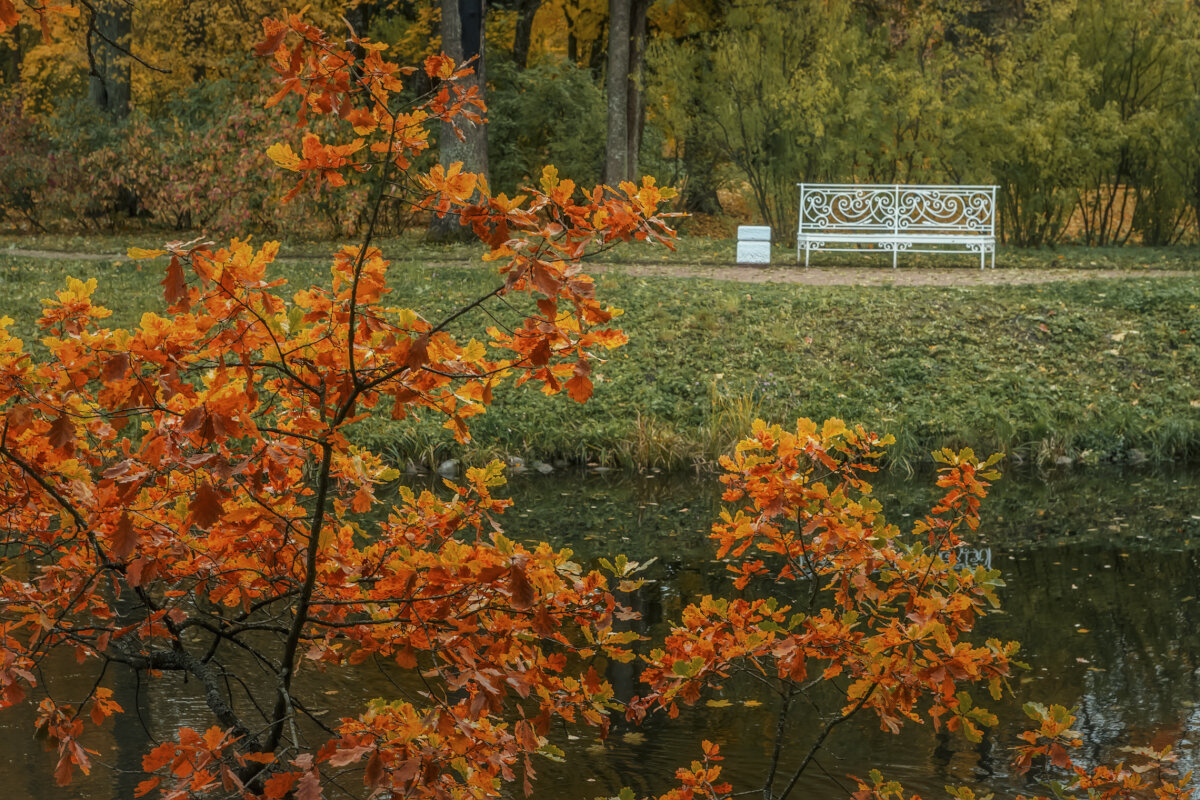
[(810, 276), (903, 276), (59, 255)]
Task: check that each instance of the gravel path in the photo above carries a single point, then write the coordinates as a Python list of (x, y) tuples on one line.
[(811, 276), (886, 276)]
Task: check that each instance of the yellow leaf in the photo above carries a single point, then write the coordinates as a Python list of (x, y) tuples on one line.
[(832, 427), (718, 703), (283, 155), (474, 351), (138, 253)]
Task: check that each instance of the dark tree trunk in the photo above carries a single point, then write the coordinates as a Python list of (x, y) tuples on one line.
[(616, 142), (196, 36), (108, 43), (635, 113), (526, 11), (462, 39), (597, 55), (10, 58), (700, 187)]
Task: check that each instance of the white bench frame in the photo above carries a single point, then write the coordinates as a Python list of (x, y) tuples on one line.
[(895, 217)]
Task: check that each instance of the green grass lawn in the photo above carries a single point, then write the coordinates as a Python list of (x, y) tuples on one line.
[(1091, 370), (690, 250)]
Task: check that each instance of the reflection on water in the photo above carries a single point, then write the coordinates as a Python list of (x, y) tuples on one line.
[(1103, 574)]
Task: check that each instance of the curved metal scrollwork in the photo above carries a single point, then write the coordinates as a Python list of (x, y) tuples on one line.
[(944, 210), (856, 208), (897, 208)]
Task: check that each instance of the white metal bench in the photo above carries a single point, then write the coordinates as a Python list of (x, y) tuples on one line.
[(891, 218)]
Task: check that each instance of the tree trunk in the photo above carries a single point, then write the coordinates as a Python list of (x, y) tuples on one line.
[(10, 58), (635, 114), (195, 38), (462, 39), (698, 157), (108, 43), (572, 42), (616, 143), (523, 38)]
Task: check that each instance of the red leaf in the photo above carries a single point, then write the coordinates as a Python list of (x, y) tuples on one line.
[(418, 353), (206, 506), (175, 284), (192, 420), (579, 388), (8, 15), (406, 657), (62, 433), (341, 758), (543, 623), (521, 588), (278, 785), (146, 787), (309, 787), (62, 773), (546, 282), (18, 417), (273, 39), (140, 571), (525, 735), (374, 773), (115, 367), (406, 771), (124, 538), (540, 355)]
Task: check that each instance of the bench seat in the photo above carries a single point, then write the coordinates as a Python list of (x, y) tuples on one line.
[(895, 218)]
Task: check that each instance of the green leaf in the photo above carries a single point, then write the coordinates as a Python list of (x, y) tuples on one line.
[(688, 669)]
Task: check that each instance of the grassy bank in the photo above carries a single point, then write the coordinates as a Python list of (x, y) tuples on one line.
[(690, 251), (1094, 371), (1090, 371)]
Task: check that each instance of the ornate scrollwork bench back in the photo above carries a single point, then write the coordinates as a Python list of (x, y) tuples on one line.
[(892, 218)]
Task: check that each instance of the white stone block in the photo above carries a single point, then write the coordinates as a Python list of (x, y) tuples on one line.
[(754, 244), (754, 253), (754, 233)]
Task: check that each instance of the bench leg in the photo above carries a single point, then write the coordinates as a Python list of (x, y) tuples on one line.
[(895, 255), (806, 252), (982, 257), (993, 258)]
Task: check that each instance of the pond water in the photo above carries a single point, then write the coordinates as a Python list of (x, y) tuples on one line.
[(1103, 573)]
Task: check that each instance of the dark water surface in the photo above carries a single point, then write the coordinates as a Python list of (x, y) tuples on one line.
[(1103, 573)]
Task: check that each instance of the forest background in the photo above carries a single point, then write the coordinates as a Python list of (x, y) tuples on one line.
[(1082, 111)]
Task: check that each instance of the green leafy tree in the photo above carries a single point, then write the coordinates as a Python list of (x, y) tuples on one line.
[(545, 114)]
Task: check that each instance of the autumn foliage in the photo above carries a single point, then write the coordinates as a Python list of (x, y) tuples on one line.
[(840, 613), (180, 491), (184, 491)]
